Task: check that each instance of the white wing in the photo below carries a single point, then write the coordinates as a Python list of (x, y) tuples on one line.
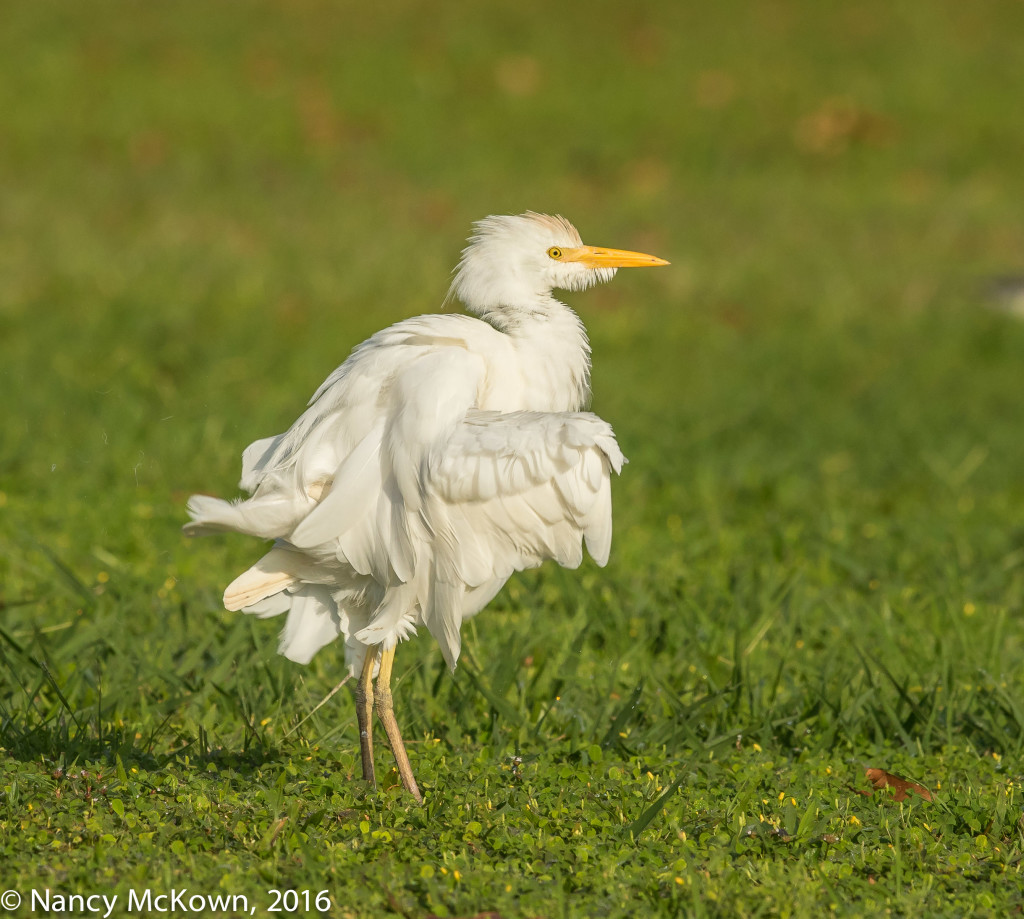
[(543, 471), (506, 492), (465, 501), (287, 475), (395, 489)]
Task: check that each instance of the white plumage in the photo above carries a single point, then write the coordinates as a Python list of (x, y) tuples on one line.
[(444, 454)]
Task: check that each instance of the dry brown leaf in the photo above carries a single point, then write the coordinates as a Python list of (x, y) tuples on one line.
[(901, 787)]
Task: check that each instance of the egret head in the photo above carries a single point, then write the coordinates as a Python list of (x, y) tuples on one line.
[(513, 263)]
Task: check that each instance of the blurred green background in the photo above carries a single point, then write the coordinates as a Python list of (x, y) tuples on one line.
[(204, 206)]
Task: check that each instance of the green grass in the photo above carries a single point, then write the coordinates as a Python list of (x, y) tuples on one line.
[(819, 555)]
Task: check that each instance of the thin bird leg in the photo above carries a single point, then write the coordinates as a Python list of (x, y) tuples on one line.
[(364, 713), (386, 713)]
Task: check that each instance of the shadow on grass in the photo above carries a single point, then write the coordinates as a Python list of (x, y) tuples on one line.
[(66, 745), (38, 721)]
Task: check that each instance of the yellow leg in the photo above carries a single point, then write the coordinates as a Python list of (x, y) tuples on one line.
[(386, 713), (364, 713)]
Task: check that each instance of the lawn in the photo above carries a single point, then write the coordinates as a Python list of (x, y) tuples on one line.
[(818, 566)]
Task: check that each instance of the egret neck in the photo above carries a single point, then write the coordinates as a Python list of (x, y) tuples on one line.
[(553, 354)]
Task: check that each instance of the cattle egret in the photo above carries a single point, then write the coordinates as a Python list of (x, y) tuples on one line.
[(444, 454)]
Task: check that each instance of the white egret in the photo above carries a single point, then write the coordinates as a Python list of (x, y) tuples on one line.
[(444, 454)]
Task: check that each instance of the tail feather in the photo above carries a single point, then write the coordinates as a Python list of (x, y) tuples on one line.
[(249, 588), (270, 606), (267, 518), (314, 620), (282, 567)]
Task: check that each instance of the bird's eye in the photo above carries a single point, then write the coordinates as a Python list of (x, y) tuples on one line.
[(555, 252)]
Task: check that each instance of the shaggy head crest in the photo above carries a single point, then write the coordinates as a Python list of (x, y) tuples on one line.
[(514, 262)]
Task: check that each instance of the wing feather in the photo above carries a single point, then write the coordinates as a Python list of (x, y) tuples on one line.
[(509, 490), (414, 505), (356, 483)]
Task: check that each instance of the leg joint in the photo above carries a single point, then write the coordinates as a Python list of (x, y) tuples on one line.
[(382, 696)]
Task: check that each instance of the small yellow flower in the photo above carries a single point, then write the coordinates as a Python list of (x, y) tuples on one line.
[(853, 821), (970, 609)]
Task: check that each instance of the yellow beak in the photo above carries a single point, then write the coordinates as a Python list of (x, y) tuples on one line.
[(599, 257)]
